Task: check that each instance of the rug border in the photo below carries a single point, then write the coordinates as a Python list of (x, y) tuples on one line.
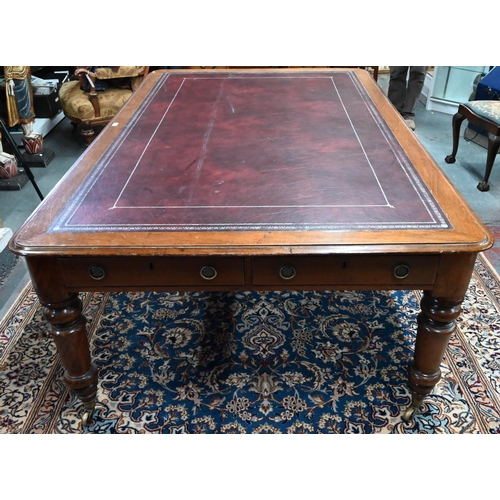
[(11, 313)]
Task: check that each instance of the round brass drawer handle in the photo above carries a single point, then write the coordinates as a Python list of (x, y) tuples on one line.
[(401, 271), (287, 272), (97, 272), (208, 272)]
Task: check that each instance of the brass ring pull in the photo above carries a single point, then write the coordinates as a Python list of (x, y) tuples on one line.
[(97, 272), (287, 272), (208, 272), (401, 271)]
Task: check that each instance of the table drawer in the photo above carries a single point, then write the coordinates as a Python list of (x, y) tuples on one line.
[(155, 271), (345, 270)]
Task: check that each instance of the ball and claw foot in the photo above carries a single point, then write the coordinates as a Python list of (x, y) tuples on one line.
[(88, 414), (483, 186), (450, 159)]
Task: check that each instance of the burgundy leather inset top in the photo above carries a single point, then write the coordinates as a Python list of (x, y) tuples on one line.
[(274, 151)]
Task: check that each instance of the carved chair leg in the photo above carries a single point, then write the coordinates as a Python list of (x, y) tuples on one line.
[(493, 146), (457, 120)]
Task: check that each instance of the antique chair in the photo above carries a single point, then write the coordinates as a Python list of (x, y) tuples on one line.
[(486, 116), (97, 94)]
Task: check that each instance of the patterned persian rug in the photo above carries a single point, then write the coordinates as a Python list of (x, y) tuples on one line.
[(287, 362)]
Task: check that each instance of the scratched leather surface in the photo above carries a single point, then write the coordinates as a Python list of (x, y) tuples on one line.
[(246, 151)]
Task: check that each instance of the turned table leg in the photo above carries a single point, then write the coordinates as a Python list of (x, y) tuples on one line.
[(67, 324), (67, 327), (436, 324)]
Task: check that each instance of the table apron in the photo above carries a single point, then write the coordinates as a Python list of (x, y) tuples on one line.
[(401, 271)]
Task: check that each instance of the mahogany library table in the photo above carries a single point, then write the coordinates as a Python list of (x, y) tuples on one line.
[(253, 180)]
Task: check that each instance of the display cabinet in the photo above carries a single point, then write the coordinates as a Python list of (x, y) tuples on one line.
[(447, 86)]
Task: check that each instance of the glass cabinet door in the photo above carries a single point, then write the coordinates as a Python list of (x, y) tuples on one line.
[(457, 83), (451, 85)]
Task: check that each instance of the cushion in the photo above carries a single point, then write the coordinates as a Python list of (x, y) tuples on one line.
[(487, 109), (75, 102)]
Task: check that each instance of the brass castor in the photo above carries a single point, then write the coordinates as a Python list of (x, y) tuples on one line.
[(88, 414), (409, 413)]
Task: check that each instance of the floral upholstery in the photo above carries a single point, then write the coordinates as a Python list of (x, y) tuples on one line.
[(115, 76), (113, 87), (487, 109), (75, 102)]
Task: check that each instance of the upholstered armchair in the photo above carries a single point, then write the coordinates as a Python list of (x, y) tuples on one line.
[(97, 93), (485, 115)]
